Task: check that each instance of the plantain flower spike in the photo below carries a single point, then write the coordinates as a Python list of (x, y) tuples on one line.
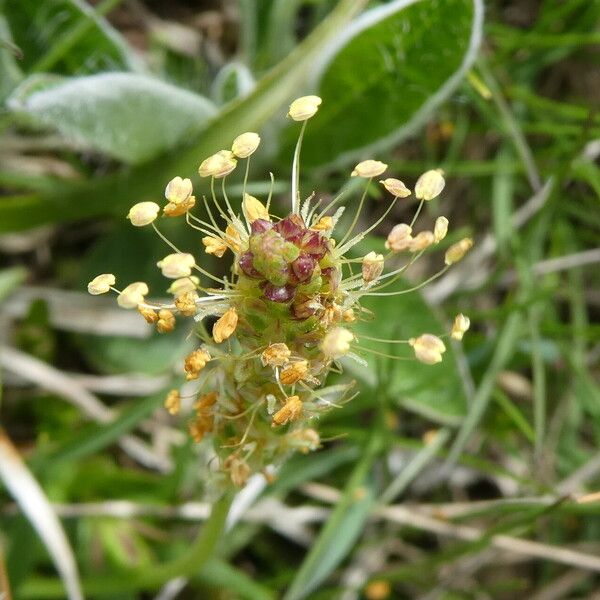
[(266, 337)]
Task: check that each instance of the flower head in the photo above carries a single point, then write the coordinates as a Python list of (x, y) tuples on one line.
[(290, 411), (294, 372), (184, 284), (214, 245)]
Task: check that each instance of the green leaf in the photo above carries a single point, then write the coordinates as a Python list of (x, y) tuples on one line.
[(386, 74), (128, 186), (434, 391), (10, 279), (341, 531), (67, 36), (128, 116), (10, 73)]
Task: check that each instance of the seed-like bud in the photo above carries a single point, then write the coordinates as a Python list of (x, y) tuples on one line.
[(143, 213), (246, 144), (457, 251), (234, 240), (399, 238), (395, 187), (276, 355), (254, 209), (132, 295), (430, 185), (166, 321), (348, 315), (214, 245), (421, 241), (186, 304), (183, 285), (218, 165), (178, 190), (303, 267), (279, 293), (260, 226), (336, 342), (173, 402), (323, 224), (369, 168), (194, 363), (304, 108), (428, 348), (225, 326), (101, 284), (306, 440), (151, 316), (372, 266), (460, 326), (246, 264), (290, 411), (440, 229), (294, 372), (177, 265)]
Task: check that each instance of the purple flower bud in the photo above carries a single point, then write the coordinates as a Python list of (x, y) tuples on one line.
[(260, 226), (314, 243), (246, 263), (279, 293), (291, 228), (332, 276), (303, 267)]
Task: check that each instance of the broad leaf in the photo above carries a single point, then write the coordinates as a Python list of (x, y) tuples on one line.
[(127, 187), (386, 74), (66, 36), (128, 116)]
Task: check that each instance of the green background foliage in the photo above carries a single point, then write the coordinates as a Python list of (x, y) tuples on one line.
[(103, 103)]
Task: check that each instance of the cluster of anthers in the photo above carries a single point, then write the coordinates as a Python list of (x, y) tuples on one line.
[(286, 314)]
